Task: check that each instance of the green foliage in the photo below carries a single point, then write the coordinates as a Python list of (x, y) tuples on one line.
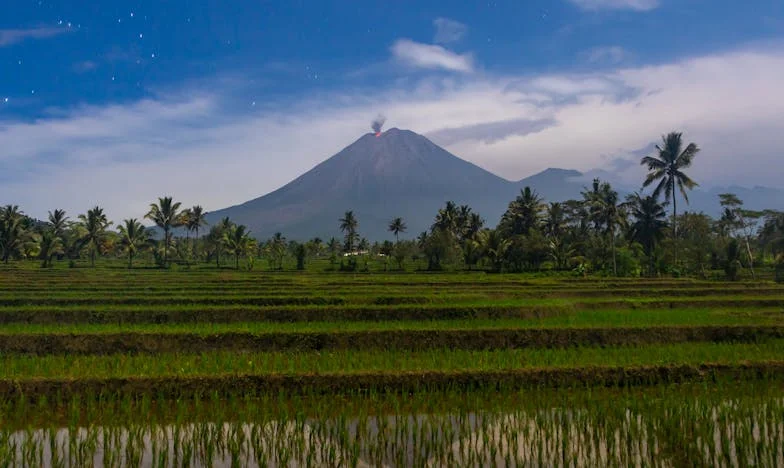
[(523, 214), (13, 235), (133, 238), (732, 264), (301, 254), (779, 268), (237, 242), (440, 248), (50, 245), (629, 261)]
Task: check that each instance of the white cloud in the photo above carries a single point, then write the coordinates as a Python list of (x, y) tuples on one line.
[(12, 36), (431, 56), (636, 5), (448, 30), (606, 55), (192, 147)]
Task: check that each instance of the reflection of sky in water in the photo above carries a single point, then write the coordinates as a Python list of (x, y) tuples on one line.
[(728, 431)]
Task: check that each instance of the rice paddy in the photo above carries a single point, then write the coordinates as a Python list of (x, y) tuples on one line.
[(221, 368)]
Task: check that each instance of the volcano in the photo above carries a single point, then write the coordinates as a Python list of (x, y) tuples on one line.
[(400, 173), (379, 177)]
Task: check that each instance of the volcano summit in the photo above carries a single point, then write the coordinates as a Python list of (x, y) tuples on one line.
[(379, 177)]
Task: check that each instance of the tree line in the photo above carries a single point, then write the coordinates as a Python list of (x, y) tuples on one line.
[(598, 233)]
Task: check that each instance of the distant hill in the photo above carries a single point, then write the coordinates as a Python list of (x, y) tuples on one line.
[(402, 173)]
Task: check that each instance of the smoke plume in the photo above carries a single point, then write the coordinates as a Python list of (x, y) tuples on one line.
[(378, 123)]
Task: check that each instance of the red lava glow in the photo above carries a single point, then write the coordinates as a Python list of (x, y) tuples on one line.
[(378, 134)]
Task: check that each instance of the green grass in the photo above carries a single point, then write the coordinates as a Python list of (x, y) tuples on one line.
[(348, 362), (586, 319)]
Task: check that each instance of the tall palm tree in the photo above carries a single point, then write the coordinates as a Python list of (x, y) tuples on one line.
[(607, 215), (94, 223), (396, 227), (193, 219), (165, 214), (648, 224), (349, 225), (133, 236), (613, 217), (237, 242), (667, 167), (59, 221)]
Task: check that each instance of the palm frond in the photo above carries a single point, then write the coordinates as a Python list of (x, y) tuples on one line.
[(687, 156), (682, 189), (653, 176), (653, 163), (659, 188)]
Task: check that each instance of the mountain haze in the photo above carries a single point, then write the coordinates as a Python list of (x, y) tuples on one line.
[(402, 173)]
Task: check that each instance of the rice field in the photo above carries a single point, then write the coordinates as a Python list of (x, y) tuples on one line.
[(109, 367)]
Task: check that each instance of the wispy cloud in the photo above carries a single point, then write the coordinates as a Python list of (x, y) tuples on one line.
[(636, 5), (606, 55), (490, 132), (431, 56), (448, 30), (85, 66), (10, 37)]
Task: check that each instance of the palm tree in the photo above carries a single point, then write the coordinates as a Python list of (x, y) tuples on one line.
[(447, 218), (196, 219), (193, 219), (133, 236), (523, 213), (276, 247), (94, 223), (237, 242), (648, 225), (12, 231), (494, 247), (472, 252), (333, 247), (215, 238), (50, 244), (554, 221), (349, 225), (667, 167), (474, 224), (58, 221), (165, 214), (607, 215), (396, 227)]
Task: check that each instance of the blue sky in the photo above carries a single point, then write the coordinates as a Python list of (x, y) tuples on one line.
[(217, 102)]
